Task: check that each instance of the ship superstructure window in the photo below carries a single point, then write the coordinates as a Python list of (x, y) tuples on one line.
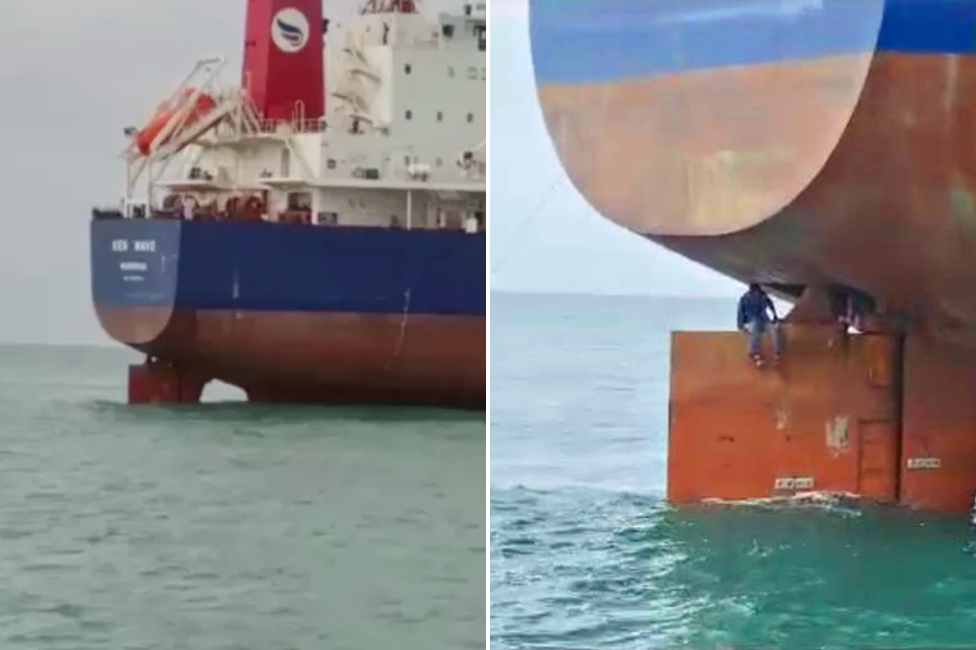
[(482, 33), (407, 68), (409, 115), (470, 118), (440, 116), (447, 31), (450, 71), (299, 201)]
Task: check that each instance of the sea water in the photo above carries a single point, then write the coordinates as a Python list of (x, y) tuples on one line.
[(229, 526), (585, 553)]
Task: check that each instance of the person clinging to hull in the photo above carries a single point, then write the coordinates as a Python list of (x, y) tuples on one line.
[(756, 313)]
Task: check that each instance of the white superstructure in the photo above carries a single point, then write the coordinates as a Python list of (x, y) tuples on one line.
[(402, 143)]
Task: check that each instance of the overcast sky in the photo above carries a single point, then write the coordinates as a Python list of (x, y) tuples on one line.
[(564, 245), (75, 73)]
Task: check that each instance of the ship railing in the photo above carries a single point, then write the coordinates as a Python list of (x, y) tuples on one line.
[(103, 213), (306, 125), (272, 126)]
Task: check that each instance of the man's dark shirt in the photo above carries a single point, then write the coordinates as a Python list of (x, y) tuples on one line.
[(752, 308)]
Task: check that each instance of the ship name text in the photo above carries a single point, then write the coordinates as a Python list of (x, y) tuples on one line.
[(136, 245)]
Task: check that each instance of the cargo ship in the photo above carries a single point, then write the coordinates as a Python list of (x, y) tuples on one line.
[(315, 232), (827, 150)]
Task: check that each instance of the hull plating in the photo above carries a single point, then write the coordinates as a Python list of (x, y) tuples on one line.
[(893, 210), (303, 356), (833, 160), (297, 312)]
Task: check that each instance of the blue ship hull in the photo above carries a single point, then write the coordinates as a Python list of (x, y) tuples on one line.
[(300, 312), (278, 267), (590, 41)]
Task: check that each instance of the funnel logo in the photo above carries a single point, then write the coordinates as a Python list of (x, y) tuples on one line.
[(289, 30)]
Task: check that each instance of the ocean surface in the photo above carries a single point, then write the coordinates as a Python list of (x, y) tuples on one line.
[(227, 526), (584, 553)]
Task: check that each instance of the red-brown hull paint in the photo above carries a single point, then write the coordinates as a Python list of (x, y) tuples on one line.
[(317, 357), (886, 418), (827, 413), (873, 188), (891, 213)]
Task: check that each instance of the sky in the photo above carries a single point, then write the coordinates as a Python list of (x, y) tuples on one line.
[(545, 237), (74, 74)]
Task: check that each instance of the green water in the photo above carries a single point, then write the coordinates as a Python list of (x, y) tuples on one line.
[(585, 553), (229, 526)]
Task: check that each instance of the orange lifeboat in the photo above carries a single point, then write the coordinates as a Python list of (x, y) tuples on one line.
[(164, 113)]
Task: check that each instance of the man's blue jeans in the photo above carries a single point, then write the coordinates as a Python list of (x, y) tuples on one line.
[(756, 331)]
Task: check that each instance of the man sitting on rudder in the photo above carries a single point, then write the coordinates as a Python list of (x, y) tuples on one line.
[(754, 319)]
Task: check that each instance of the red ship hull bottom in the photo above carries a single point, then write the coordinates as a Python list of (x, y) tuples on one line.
[(309, 357)]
